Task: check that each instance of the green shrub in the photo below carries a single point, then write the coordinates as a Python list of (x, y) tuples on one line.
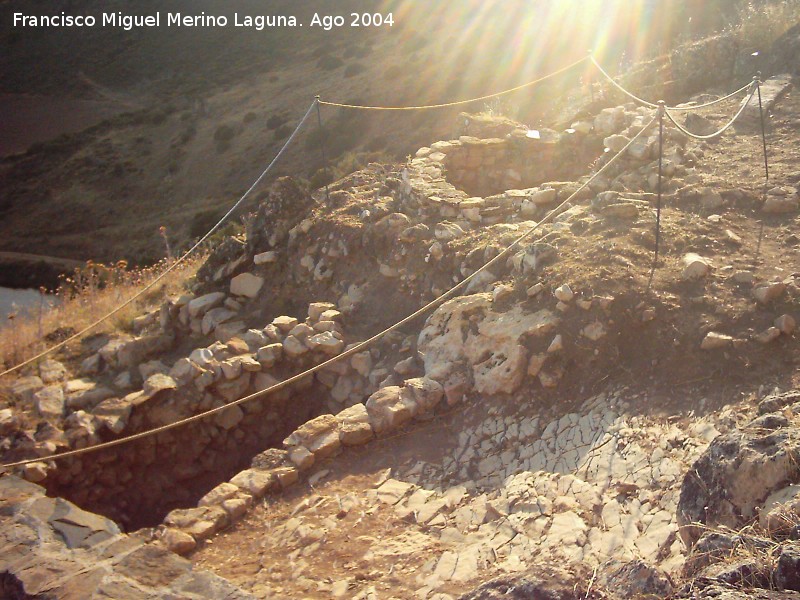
[(225, 133)]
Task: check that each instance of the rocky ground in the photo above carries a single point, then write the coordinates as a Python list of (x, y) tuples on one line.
[(572, 424)]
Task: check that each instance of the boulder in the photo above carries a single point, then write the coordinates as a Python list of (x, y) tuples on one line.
[(247, 285), (466, 335), (766, 293), (254, 481), (49, 402), (388, 409), (158, 383), (201, 522), (695, 266), (114, 413), (201, 305), (9, 422), (24, 388), (714, 341), (52, 371), (268, 355), (736, 474), (215, 317), (327, 342)]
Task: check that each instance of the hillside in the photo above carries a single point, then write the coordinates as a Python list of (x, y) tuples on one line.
[(199, 113)]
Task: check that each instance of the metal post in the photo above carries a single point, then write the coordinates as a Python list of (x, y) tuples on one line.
[(661, 111), (757, 81), (322, 148)]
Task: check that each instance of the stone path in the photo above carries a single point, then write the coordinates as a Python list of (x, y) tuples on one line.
[(589, 487)]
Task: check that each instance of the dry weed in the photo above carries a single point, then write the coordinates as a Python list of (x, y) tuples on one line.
[(90, 293)]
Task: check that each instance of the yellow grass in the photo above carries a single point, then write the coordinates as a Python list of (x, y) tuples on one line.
[(84, 297)]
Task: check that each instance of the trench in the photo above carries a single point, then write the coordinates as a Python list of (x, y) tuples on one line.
[(137, 484)]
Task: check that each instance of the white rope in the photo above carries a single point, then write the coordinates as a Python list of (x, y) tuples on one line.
[(643, 102), (719, 132)]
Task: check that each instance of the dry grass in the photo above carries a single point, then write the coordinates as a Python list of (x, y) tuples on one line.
[(90, 293), (759, 25)]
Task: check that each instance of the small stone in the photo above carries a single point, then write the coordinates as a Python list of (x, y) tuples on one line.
[(219, 494), (543, 197), (51, 371), (564, 293), (557, 345), (49, 402), (178, 541), (594, 331), (535, 290), (535, 364), (237, 346), (327, 342), (35, 472), (24, 388), (230, 417), (294, 347), (284, 324), (695, 266), (158, 383), (447, 231), (265, 258), (786, 324), (254, 481), (247, 285), (780, 204), (315, 309), (769, 335), (302, 458), (743, 277), (714, 340), (91, 365), (267, 356), (236, 507), (764, 294), (616, 143), (501, 292), (231, 368), (199, 306)]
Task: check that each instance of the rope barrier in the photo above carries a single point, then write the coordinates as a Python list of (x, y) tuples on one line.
[(643, 102), (720, 131), (172, 266), (619, 87), (712, 102), (361, 346), (459, 102)]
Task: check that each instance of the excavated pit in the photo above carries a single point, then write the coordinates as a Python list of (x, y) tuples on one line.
[(519, 158), (137, 484)]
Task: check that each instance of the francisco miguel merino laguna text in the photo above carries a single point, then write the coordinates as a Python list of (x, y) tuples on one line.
[(129, 22)]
